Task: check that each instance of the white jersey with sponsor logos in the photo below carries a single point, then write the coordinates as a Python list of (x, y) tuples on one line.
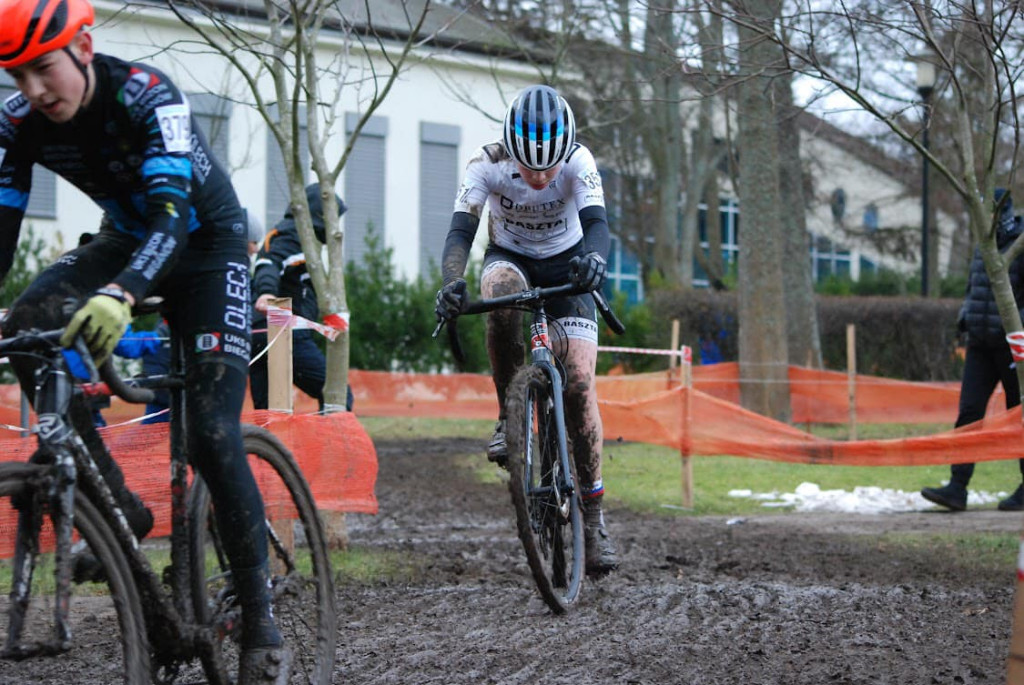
[(534, 223)]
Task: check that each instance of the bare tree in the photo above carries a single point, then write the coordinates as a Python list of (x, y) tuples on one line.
[(294, 83), (977, 49), (802, 333), (763, 350), (666, 148), (277, 50), (864, 50)]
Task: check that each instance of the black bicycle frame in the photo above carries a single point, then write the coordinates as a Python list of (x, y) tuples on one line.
[(542, 357), (170, 618)]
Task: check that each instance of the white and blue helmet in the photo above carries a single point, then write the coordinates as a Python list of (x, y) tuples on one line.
[(539, 129)]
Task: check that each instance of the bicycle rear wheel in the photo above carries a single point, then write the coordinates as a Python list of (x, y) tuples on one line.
[(301, 578), (547, 504), (104, 618)]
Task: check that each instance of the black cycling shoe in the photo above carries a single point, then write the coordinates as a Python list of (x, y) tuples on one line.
[(497, 449), (1014, 502), (952, 496), (599, 550), (86, 568), (265, 666)]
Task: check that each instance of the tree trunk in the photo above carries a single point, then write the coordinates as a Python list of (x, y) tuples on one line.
[(802, 332), (664, 138), (763, 349)]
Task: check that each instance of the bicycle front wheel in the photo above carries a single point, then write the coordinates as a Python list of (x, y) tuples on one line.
[(544, 494), (104, 618), (301, 578)]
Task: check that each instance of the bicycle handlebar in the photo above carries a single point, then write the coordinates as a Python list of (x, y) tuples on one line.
[(33, 341), (524, 298)]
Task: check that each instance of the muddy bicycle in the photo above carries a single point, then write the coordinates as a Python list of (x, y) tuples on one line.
[(181, 624), (542, 473)]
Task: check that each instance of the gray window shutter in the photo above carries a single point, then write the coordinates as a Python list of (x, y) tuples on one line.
[(364, 185), (42, 202), (213, 115), (278, 197), (439, 182)]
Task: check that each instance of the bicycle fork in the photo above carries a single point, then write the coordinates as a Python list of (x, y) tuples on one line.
[(541, 355), (57, 496)]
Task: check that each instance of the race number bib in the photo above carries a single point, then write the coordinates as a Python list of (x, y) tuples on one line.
[(175, 127)]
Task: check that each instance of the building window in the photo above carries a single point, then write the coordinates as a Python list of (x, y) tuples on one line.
[(624, 272), (42, 202), (364, 185), (213, 116), (729, 235), (867, 266), (278, 196), (829, 259), (871, 218), (439, 182)]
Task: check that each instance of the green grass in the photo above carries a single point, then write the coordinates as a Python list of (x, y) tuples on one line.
[(648, 478), (978, 550), (645, 477), (397, 427), (365, 566)]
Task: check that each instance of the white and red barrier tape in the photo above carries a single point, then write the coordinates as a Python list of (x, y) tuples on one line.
[(683, 352), (1016, 342), (285, 318)]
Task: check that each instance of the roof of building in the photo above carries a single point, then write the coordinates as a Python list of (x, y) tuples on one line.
[(397, 19)]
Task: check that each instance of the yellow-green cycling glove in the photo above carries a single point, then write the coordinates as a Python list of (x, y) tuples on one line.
[(101, 321)]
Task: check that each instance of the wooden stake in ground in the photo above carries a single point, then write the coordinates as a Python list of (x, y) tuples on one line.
[(851, 376), (279, 361)]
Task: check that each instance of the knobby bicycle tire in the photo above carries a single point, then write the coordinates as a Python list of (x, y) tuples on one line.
[(302, 581), (115, 641), (548, 518)]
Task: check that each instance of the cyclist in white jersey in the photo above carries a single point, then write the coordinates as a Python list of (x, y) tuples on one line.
[(546, 225)]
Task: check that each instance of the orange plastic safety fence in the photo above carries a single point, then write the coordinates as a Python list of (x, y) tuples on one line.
[(334, 452), (650, 408)]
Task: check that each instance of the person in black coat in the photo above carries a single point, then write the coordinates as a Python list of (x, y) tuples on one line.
[(280, 271), (988, 360)]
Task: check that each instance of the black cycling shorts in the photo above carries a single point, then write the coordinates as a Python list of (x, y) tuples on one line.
[(546, 273)]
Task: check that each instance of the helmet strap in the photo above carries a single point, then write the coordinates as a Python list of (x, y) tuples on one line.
[(85, 74)]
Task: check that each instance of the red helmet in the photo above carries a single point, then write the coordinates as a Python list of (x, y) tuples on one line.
[(29, 28)]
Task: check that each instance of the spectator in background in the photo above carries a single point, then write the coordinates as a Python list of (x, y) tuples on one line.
[(154, 348), (988, 360), (280, 271), (256, 232)]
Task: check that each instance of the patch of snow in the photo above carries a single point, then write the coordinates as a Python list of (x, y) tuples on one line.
[(864, 499)]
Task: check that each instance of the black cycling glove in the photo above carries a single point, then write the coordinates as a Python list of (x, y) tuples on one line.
[(589, 271), (451, 299)]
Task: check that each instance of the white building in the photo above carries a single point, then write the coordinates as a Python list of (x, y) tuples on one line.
[(404, 171), (405, 168)]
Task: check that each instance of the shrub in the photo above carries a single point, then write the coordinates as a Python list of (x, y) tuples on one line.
[(898, 337)]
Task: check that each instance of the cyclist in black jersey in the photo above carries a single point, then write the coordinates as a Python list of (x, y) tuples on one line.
[(123, 133)]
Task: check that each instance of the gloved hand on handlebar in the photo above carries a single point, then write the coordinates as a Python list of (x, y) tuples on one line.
[(451, 299), (589, 271), (101, 321)]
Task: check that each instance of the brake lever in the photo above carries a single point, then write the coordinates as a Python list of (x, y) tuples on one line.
[(83, 351), (437, 329)]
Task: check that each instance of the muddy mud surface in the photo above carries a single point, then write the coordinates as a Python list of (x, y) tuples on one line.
[(779, 599)]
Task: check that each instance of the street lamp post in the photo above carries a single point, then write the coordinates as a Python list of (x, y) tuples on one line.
[(925, 86)]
